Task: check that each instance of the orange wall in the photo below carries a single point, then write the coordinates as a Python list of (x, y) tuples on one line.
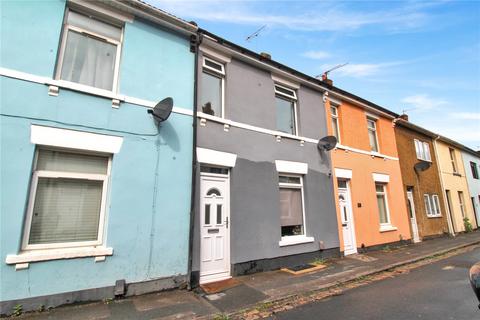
[(353, 134)]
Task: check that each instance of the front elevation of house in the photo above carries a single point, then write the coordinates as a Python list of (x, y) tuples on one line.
[(367, 178), (471, 163), (94, 192), (421, 180), (454, 183), (265, 191)]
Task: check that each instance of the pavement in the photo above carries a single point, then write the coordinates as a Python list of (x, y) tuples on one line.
[(440, 290), (259, 289)]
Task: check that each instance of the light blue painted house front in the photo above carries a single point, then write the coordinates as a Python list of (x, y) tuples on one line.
[(93, 190)]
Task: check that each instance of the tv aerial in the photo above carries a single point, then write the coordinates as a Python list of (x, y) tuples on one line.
[(324, 75), (327, 143), (256, 33), (162, 110)]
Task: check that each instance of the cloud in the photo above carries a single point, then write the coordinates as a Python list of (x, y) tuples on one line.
[(317, 55), (326, 16), (422, 102), (466, 115)]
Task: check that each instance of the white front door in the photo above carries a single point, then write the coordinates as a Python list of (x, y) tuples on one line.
[(214, 225), (348, 229), (413, 218)]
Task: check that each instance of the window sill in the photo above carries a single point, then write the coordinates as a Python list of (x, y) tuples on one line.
[(434, 217), (387, 228), (457, 174), (57, 254), (293, 240)]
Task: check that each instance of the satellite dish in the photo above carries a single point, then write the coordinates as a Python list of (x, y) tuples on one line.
[(327, 143), (162, 110), (422, 166)]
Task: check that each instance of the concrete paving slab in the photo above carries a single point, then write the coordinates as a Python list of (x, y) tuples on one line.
[(238, 297)]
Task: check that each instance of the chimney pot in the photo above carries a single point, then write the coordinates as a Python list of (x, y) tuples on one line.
[(404, 116)]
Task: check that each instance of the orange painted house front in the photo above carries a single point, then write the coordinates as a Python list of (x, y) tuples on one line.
[(371, 207)]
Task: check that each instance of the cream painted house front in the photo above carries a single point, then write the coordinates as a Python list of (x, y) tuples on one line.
[(454, 183)]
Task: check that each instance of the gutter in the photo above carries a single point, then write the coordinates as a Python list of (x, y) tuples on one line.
[(193, 196), (141, 9)]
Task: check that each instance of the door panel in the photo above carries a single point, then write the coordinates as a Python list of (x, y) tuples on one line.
[(412, 216), (348, 230), (215, 234)]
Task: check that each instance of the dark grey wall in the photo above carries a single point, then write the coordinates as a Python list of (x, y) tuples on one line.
[(255, 207)]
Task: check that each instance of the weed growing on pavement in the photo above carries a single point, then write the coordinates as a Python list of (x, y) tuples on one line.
[(221, 316), (17, 310), (467, 224), (387, 248), (318, 261), (107, 300), (264, 306)]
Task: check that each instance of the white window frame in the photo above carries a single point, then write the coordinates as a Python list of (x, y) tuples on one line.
[(436, 205), (428, 205), (72, 175), (374, 130), (461, 202), (63, 44), (453, 160), (335, 118), (219, 74), (385, 196), (299, 186), (293, 99), (422, 149)]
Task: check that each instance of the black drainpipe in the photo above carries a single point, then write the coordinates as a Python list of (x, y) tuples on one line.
[(195, 41)]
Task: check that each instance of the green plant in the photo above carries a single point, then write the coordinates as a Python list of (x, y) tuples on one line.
[(41, 308), (467, 224), (221, 317), (318, 261), (107, 300), (17, 310), (387, 248), (265, 306)]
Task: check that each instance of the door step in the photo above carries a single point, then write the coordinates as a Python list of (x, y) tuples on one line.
[(304, 268)]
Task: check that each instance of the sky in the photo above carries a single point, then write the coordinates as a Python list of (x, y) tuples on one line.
[(422, 57)]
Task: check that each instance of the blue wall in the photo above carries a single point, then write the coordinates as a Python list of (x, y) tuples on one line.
[(155, 64)]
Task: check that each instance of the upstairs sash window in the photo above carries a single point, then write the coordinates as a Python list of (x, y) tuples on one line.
[(91, 52)]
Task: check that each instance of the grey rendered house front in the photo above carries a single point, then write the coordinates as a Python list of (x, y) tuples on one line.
[(265, 196)]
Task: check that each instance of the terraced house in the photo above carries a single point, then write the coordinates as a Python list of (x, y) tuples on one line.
[(454, 183), (471, 163), (265, 197), (421, 181), (368, 182), (95, 192)]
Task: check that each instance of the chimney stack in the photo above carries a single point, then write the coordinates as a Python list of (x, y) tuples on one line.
[(326, 80), (404, 116), (266, 56)]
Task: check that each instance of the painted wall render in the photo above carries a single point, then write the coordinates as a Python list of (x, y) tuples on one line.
[(353, 134), (473, 183), (454, 182), (148, 204), (255, 208)]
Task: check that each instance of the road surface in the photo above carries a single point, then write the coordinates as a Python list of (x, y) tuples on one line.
[(437, 291)]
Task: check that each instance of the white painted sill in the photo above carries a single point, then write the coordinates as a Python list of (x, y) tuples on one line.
[(293, 240), (386, 228), (57, 254), (434, 217)]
